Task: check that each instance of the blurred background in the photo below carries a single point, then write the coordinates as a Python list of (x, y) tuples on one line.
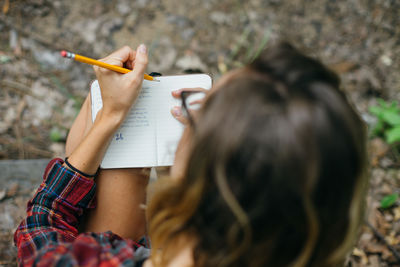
[(41, 93)]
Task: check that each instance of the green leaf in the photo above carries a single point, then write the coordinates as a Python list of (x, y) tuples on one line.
[(378, 129), (393, 118), (377, 111), (389, 200), (393, 135), (55, 135), (394, 105), (382, 103)]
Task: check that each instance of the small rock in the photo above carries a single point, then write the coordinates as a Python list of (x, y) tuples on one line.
[(386, 162), (9, 117), (58, 149), (111, 26), (388, 217), (220, 17), (91, 27), (13, 43), (2, 194), (164, 56), (180, 21), (123, 7), (378, 149), (6, 220), (190, 62), (41, 110), (377, 176), (187, 34), (12, 190), (131, 19), (386, 60)]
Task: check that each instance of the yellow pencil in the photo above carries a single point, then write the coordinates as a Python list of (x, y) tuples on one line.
[(92, 61)]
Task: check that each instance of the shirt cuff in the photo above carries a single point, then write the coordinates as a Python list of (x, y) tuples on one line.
[(68, 185)]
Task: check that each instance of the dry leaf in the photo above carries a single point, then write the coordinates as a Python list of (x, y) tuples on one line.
[(392, 239), (6, 6), (343, 67), (396, 212), (374, 248), (361, 254), (12, 190)]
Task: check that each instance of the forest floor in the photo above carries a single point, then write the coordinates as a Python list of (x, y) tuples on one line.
[(40, 92)]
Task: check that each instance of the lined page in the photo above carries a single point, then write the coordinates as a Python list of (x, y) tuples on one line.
[(168, 129), (134, 143)]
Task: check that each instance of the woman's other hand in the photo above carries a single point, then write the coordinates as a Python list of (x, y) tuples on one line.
[(119, 91), (177, 112)]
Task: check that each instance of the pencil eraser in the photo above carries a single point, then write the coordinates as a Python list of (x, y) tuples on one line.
[(63, 53)]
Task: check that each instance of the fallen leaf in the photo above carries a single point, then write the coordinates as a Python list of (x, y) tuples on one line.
[(6, 6), (343, 67), (374, 248), (392, 239), (396, 213), (12, 190), (361, 254)]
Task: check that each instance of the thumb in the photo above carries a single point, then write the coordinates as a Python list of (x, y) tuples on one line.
[(140, 63)]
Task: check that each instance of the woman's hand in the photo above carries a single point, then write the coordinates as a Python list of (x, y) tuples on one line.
[(182, 151), (119, 91), (177, 110)]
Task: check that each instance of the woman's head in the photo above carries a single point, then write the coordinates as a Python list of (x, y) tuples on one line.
[(275, 170)]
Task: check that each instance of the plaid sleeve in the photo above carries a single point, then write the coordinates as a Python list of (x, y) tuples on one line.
[(49, 235)]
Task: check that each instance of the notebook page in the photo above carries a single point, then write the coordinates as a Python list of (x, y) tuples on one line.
[(168, 129), (133, 144)]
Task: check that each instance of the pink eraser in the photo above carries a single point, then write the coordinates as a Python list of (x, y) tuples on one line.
[(63, 53)]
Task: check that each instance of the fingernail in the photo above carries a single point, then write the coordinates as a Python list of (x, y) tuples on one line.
[(142, 49), (176, 92), (176, 111)]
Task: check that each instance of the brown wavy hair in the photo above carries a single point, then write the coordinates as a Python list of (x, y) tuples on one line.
[(275, 175)]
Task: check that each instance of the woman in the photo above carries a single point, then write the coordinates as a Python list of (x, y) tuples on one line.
[(269, 172)]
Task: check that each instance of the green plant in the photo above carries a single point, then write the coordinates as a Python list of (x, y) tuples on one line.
[(389, 200), (55, 135), (388, 124)]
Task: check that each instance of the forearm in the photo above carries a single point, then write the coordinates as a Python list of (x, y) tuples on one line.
[(121, 194), (89, 153)]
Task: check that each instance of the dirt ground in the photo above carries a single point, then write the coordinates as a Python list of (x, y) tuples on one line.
[(40, 92)]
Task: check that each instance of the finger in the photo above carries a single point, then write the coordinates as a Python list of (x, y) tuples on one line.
[(120, 56), (140, 64), (130, 63), (177, 114), (177, 93)]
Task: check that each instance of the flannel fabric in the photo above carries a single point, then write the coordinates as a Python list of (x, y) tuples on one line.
[(48, 236)]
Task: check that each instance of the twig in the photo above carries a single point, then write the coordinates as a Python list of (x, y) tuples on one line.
[(19, 88), (27, 147), (7, 262), (382, 239), (17, 128)]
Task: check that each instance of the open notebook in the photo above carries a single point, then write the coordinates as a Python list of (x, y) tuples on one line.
[(149, 135)]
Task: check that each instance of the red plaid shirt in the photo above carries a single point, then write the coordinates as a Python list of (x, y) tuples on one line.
[(49, 235)]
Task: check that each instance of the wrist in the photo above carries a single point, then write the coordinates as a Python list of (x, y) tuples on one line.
[(111, 120)]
